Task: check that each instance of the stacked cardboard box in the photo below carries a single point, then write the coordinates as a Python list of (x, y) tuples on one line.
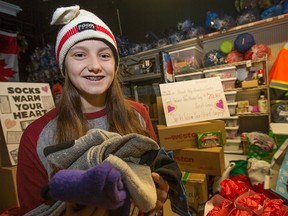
[(8, 190), (195, 163), (209, 161), (182, 139), (185, 135), (198, 162), (196, 188)]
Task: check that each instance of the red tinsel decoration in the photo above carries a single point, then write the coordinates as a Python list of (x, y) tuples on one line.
[(231, 190)]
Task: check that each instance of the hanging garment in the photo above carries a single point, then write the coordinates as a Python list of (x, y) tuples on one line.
[(278, 76), (8, 57)]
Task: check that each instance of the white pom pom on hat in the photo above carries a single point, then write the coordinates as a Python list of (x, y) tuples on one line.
[(79, 25), (64, 15)]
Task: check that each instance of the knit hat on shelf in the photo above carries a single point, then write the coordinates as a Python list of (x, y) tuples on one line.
[(80, 25)]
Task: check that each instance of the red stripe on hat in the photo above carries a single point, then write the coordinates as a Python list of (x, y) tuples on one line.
[(75, 30), (66, 36), (104, 30)]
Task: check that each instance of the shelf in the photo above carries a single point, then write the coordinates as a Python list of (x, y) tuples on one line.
[(167, 48), (246, 63), (261, 87), (240, 152), (247, 122), (10, 9), (252, 114), (141, 77), (260, 24), (232, 128)]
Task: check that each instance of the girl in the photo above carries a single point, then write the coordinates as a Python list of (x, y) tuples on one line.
[(88, 58)]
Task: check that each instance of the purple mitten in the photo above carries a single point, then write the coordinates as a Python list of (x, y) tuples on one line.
[(100, 186)]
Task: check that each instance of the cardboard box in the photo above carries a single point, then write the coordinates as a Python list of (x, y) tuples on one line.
[(167, 211), (8, 189), (196, 188), (209, 161), (218, 200), (160, 111), (185, 136), (250, 84)]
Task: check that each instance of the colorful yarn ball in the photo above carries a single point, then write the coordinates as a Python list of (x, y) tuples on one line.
[(248, 55), (223, 22), (244, 42), (247, 16), (260, 51), (214, 57), (210, 19), (226, 46), (272, 11), (185, 25), (285, 7), (234, 56)]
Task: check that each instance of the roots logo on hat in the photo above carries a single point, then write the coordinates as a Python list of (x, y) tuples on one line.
[(78, 26), (86, 26)]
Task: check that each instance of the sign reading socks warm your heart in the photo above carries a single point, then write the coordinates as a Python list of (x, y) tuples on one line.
[(193, 101), (20, 104)]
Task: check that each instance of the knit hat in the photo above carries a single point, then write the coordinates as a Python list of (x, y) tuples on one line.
[(80, 25)]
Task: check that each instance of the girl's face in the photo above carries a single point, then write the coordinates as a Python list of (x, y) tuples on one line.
[(90, 65)]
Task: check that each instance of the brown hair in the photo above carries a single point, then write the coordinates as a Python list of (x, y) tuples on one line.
[(71, 121)]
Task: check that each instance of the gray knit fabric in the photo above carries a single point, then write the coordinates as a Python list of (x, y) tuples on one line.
[(139, 182), (56, 209), (66, 158), (122, 152), (47, 135)]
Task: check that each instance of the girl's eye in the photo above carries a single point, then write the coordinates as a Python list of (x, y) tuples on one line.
[(105, 55), (79, 55)]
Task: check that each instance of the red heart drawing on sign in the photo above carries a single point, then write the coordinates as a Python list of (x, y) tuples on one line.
[(10, 123), (171, 108), (45, 88), (220, 104)]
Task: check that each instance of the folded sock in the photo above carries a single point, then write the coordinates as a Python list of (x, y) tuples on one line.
[(139, 182), (76, 148), (100, 186)]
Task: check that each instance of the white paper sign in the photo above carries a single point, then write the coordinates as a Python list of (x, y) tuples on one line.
[(194, 101), (21, 104)]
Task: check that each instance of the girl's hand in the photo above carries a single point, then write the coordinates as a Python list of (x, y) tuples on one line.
[(162, 192)]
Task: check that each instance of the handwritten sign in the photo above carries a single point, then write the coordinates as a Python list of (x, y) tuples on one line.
[(193, 101), (21, 104)]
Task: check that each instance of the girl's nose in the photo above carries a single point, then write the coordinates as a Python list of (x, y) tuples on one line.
[(94, 65)]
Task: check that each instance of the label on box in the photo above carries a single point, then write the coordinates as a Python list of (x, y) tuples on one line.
[(208, 161)]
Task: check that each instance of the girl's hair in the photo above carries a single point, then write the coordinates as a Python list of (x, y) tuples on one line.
[(71, 121)]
